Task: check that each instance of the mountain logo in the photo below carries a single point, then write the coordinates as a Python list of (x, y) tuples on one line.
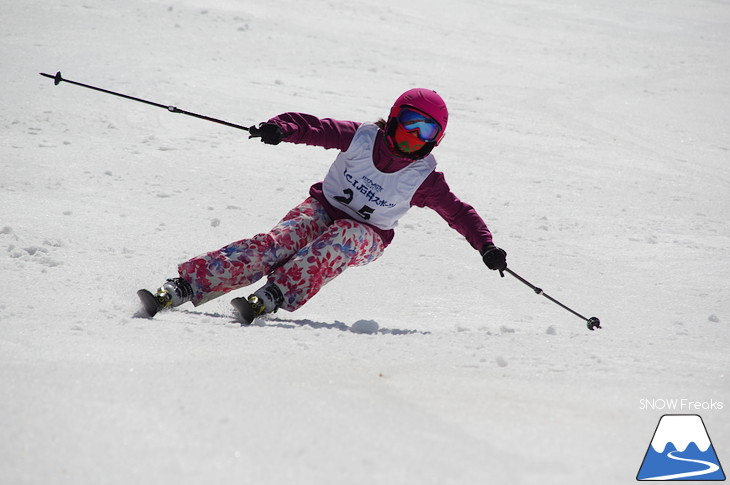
[(680, 450)]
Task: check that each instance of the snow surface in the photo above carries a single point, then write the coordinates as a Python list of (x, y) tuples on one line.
[(591, 135)]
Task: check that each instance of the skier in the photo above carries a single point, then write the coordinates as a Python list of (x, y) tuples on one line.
[(382, 170)]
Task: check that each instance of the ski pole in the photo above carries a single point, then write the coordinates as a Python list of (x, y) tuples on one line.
[(592, 322), (57, 79)]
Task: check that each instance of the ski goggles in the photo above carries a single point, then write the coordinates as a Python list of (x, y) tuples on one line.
[(427, 128)]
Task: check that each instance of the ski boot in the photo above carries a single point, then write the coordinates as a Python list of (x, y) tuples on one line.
[(174, 292), (266, 299)]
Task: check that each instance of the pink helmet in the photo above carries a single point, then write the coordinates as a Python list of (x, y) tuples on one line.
[(417, 123)]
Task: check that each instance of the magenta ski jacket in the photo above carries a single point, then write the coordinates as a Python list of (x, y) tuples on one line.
[(433, 193)]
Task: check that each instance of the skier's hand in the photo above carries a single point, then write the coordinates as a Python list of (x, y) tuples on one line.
[(495, 258), (269, 133)]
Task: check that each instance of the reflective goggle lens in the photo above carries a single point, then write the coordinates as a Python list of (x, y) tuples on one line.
[(428, 128)]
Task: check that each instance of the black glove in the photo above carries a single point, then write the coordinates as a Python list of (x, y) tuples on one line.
[(269, 133), (495, 258)]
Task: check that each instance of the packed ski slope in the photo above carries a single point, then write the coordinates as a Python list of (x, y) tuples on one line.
[(591, 135)]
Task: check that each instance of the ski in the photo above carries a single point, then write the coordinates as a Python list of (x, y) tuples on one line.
[(150, 303), (151, 306), (244, 309)]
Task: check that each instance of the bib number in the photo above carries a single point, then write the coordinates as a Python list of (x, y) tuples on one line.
[(365, 212)]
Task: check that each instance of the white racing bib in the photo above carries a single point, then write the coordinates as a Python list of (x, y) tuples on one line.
[(355, 186)]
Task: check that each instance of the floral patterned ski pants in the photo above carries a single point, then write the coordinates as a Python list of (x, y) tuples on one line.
[(301, 254)]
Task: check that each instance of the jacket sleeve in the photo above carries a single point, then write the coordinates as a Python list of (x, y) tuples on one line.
[(436, 194), (309, 130)]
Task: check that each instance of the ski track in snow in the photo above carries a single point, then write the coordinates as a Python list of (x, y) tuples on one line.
[(592, 137)]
